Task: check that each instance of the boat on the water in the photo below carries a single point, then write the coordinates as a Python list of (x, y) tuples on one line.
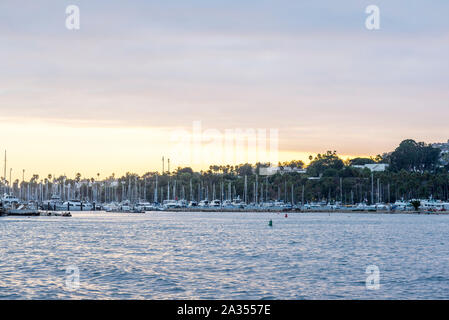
[(215, 203), (192, 204), (52, 204), (74, 205), (237, 203), (226, 204), (111, 207), (144, 206), (9, 201)]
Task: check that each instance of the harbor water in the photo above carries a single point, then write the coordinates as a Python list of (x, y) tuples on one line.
[(217, 255)]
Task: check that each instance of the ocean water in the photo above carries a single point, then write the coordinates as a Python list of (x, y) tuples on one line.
[(224, 256)]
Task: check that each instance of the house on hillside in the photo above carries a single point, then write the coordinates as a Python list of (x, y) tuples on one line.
[(273, 170), (444, 155), (373, 167)]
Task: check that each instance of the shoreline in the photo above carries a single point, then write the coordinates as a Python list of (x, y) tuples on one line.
[(302, 211), (44, 213)]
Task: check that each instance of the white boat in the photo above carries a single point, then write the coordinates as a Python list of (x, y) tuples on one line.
[(51, 204), (434, 205), (203, 203), (402, 205), (182, 204), (382, 206), (74, 205), (125, 206), (364, 207), (226, 204), (280, 205), (193, 204), (144, 206), (9, 201), (109, 207), (312, 206), (215, 203), (170, 204), (237, 203)]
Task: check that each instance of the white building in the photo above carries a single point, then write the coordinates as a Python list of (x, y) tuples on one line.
[(444, 155), (373, 167), (273, 170), (444, 146)]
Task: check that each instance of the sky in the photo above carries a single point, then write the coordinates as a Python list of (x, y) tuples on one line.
[(133, 83)]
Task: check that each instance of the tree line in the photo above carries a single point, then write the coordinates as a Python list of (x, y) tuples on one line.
[(414, 171)]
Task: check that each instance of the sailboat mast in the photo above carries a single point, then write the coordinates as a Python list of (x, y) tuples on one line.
[(155, 190), (4, 174), (246, 189), (191, 194)]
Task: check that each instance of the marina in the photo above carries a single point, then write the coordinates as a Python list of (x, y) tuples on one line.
[(385, 184), (13, 206)]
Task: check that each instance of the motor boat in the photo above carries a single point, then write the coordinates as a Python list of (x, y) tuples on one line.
[(111, 207), (237, 203), (226, 204), (193, 204), (74, 205), (144, 206), (215, 203), (54, 202), (203, 203), (9, 201), (170, 204)]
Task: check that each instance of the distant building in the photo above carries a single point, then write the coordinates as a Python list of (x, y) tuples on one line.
[(273, 170), (444, 155), (373, 167), (444, 146)]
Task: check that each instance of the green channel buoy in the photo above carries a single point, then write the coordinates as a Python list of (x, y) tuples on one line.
[(270, 223)]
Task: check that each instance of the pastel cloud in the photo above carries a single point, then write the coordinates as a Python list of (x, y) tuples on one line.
[(309, 69)]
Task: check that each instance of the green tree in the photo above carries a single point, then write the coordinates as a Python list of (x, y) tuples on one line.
[(416, 204), (414, 156), (322, 162), (361, 161)]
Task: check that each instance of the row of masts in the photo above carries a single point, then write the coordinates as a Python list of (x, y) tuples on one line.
[(108, 191), (144, 191), (152, 192)]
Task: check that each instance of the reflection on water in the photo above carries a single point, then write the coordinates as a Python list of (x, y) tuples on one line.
[(224, 256)]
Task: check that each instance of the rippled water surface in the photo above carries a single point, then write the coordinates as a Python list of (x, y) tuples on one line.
[(224, 256)]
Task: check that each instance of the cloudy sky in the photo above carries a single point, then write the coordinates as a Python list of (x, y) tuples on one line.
[(108, 97)]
